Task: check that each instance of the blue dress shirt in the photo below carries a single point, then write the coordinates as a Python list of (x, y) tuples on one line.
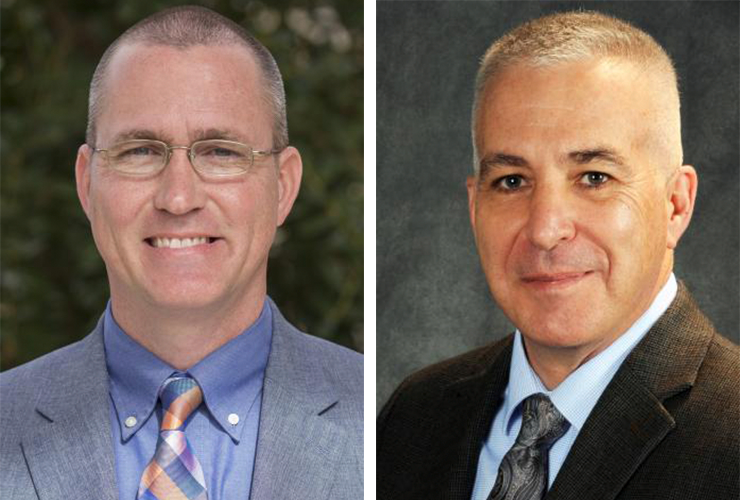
[(222, 432), (575, 397)]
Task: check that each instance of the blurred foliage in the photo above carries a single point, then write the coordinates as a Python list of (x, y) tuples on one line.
[(53, 282)]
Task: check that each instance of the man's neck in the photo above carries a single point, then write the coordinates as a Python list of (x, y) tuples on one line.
[(183, 337), (553, 365)]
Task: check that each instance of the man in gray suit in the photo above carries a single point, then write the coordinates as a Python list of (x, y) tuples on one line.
[(192, 385)]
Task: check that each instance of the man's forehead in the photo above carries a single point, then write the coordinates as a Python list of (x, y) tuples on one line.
[(574, 107), (569, 85), (159, 92), (157, 56)]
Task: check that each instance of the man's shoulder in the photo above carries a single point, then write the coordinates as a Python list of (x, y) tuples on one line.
[(426, 386), (23, 379), (317, 347), (719, 374), (711, 361), (298, 357), (712, 411), (459, 367), (56, 375), (725, 354), (339, 362)]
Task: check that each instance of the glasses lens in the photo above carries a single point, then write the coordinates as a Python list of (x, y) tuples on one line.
[(221, 158), (137, 157)]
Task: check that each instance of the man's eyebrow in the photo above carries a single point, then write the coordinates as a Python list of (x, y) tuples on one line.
[(138, 133), (493, 160), (198, 135), (580, 157), (599, 154), (216, 133)]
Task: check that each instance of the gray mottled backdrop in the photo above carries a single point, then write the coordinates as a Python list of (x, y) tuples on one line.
[(433, 301)]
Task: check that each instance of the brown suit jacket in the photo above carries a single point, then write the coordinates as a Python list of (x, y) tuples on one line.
[(666, 427)]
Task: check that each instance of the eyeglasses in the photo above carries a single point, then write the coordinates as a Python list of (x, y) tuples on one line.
[(210, 158)]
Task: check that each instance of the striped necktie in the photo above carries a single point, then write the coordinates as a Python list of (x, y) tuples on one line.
[(523, 471), (174, 472)]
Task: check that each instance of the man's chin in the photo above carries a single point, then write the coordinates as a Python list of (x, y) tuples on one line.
[(191, 296), (561, 331), (554, 338)]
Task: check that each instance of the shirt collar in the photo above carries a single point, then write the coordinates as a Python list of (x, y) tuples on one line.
[(576, 396), (231, 377)]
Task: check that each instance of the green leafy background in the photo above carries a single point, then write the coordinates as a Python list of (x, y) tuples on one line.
[(53, 283)]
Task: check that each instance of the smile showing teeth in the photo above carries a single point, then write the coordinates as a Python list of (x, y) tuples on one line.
[(178, 243)]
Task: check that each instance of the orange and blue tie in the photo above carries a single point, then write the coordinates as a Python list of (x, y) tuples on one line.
[(174, 472)]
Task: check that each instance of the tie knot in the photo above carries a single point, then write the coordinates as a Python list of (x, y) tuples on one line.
[(180, 397), (542, 423)]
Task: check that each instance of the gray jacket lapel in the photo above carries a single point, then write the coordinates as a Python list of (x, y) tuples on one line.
[(298, 445), (68, 450), (629, 420)]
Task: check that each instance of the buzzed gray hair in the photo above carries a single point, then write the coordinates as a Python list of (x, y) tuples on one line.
[(568, 37), (188, 26)]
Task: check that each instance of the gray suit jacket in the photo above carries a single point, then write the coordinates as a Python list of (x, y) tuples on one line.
[(55, 435)]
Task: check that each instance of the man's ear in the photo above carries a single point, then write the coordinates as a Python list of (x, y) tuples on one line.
[(289, 181), (472, 184), (681, 199), (82, 176)]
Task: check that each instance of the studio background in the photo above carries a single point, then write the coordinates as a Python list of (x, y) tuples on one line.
[(53, 285), (432, 298)]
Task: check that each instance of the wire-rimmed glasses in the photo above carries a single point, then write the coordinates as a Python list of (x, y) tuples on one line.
[(210, 158)]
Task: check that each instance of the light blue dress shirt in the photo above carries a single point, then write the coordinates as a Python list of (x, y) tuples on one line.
[(222, 432), (575, 397)]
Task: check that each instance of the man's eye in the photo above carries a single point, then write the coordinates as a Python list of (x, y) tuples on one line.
[(509, 183), (223, 152), (139, 151), (594, 179)]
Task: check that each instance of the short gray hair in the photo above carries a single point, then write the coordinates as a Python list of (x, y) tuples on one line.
[(188, 26), (568, 37)]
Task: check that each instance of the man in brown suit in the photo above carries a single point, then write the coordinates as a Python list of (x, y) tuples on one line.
[(614, 386)]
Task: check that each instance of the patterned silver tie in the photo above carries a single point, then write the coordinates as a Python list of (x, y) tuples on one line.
[(523, 471)]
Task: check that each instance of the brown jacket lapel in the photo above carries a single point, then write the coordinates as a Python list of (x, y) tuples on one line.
[(630, 420)]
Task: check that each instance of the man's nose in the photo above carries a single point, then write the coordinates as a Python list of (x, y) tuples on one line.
[(180, 188), (551, 217)]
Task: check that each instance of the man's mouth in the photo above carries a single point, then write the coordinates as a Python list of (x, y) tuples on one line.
[(158, 242), (554, 277)]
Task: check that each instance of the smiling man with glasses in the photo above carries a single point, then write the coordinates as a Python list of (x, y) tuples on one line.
[(192, 385)]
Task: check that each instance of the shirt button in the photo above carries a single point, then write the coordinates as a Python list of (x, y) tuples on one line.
[(233, 419), (130, 421)]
